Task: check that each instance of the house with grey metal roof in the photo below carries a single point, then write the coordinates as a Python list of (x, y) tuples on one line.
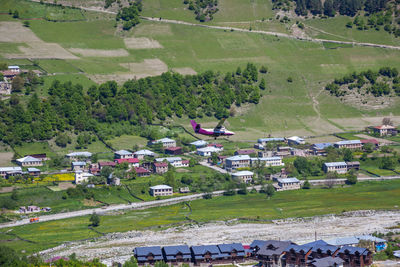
[(339, 167), (199, 143), (166, 142), (79, 155), (243, 176), (287, 184), (140, 154), (326, 262), (256, 245), (205, 253), (78, 165), (272, 252), (267, 161), (29, 161), (350, 144), (148, 254), (161, 190), (4, 171), (232, 252), (123, 154), (297, 255), (355, 256), (177, 253), (236, 162)]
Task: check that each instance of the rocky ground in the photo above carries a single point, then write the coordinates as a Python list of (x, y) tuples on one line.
[(119, 246)]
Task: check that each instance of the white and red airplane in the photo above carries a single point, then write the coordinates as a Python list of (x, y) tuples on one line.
[(219, 130)]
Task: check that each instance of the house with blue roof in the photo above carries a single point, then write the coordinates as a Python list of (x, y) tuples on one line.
[(355, 256), (256, 245), (148, 254), (320, 148), (177, 253), (232, 252), (205, 253)]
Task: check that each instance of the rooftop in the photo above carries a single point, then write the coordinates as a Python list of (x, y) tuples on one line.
[(78, 163), (209, 149), (348, 142), (199, 143), (266, 159), (322, 145), (161, 186), (239, 157), (272, 139), (242, 173), (10, 169), (145, 152), (169, 159), (123, 152), (80, 154), (33, 170), (335, 164), (28, 159), (288, 180)]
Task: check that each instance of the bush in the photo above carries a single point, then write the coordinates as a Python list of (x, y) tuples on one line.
[(306, 185), (289, 79), (94, 220)]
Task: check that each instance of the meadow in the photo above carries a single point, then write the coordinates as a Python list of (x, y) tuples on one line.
[(301, 203)]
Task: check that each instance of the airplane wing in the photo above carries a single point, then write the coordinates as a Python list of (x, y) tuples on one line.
[(220, 124)]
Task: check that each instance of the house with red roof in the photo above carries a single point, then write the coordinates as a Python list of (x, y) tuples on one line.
[(176, 150), (132, 162), (370, 141), (384, 130), (142, 172), (160, 167)]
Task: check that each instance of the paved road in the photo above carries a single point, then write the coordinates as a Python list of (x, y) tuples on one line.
[(164, 202), (215, 168)]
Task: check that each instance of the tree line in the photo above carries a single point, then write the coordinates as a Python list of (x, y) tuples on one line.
[(377, 83), (136, 103), (203, 9)]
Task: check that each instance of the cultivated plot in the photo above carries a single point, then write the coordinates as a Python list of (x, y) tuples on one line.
[(141, 43)]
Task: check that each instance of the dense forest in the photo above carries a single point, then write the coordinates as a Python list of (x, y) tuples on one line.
[(378, 83), (204, 9), (137, 102)]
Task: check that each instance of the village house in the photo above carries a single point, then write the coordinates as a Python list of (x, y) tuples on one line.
[(176, 150), (343, 241), (267, 162), (258, 146), (111, 180), (339, 167), (243, 176), (236, 162), (265, 141), (374, 142), (160, 167), (350, 144), (14, 69), (384, 130), (232, 252), (297, 255), (184, 190), (265, 154), (4, 171), (78, 165), (355, 165), (245, 152), (207, 151), (123, 154), (199, 143), (29, 161), (103, 164), (148, 255), (271, 252), (94, 169), (84, 155), (321, 249), (175, 254), (34, 172), (319, 149), (256, 245), (283, 151), (161, 190), (355, 256), (166, 142), (177, 162), (326, 262), (142, 172), (140, 154), (82, 177), (205, 253), (287, 184), (132, 162), (42, 156), (295, 140), (185, 163)]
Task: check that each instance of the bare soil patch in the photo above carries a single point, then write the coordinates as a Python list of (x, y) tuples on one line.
[(323, 139), (90, 202), (118, 246), (149, 67), (14, 32), (66, 185), (5, 158), (380, 140), (6, 189), (100, 52), (361, 123), (185, 71), (141, 43)]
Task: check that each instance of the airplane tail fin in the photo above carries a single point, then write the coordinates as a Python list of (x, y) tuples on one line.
[(195, 125)]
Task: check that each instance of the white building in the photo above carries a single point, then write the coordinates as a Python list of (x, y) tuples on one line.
[(199, 143), (140, 154), (78, 165), (264, 141), (287, 184), (6, 170), (161, 190), (244, 176), (174, 161), (339, 167), (236, 162), (207, 151), (82, 177), (166, 142), (295, 140), (29, 161), (123, 154), (14, 69), (79, 155), (268, 162)]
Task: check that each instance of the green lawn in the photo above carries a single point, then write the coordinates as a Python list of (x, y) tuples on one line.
[(57, 66), (28, 9), (34, 148), (348, 136), (301, 203), (127, 141)]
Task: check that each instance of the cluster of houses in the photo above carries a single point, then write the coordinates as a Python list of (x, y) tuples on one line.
[(33, 209), (320, 253)]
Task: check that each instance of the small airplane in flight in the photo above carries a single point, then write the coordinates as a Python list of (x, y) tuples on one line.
[(219, 130)]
